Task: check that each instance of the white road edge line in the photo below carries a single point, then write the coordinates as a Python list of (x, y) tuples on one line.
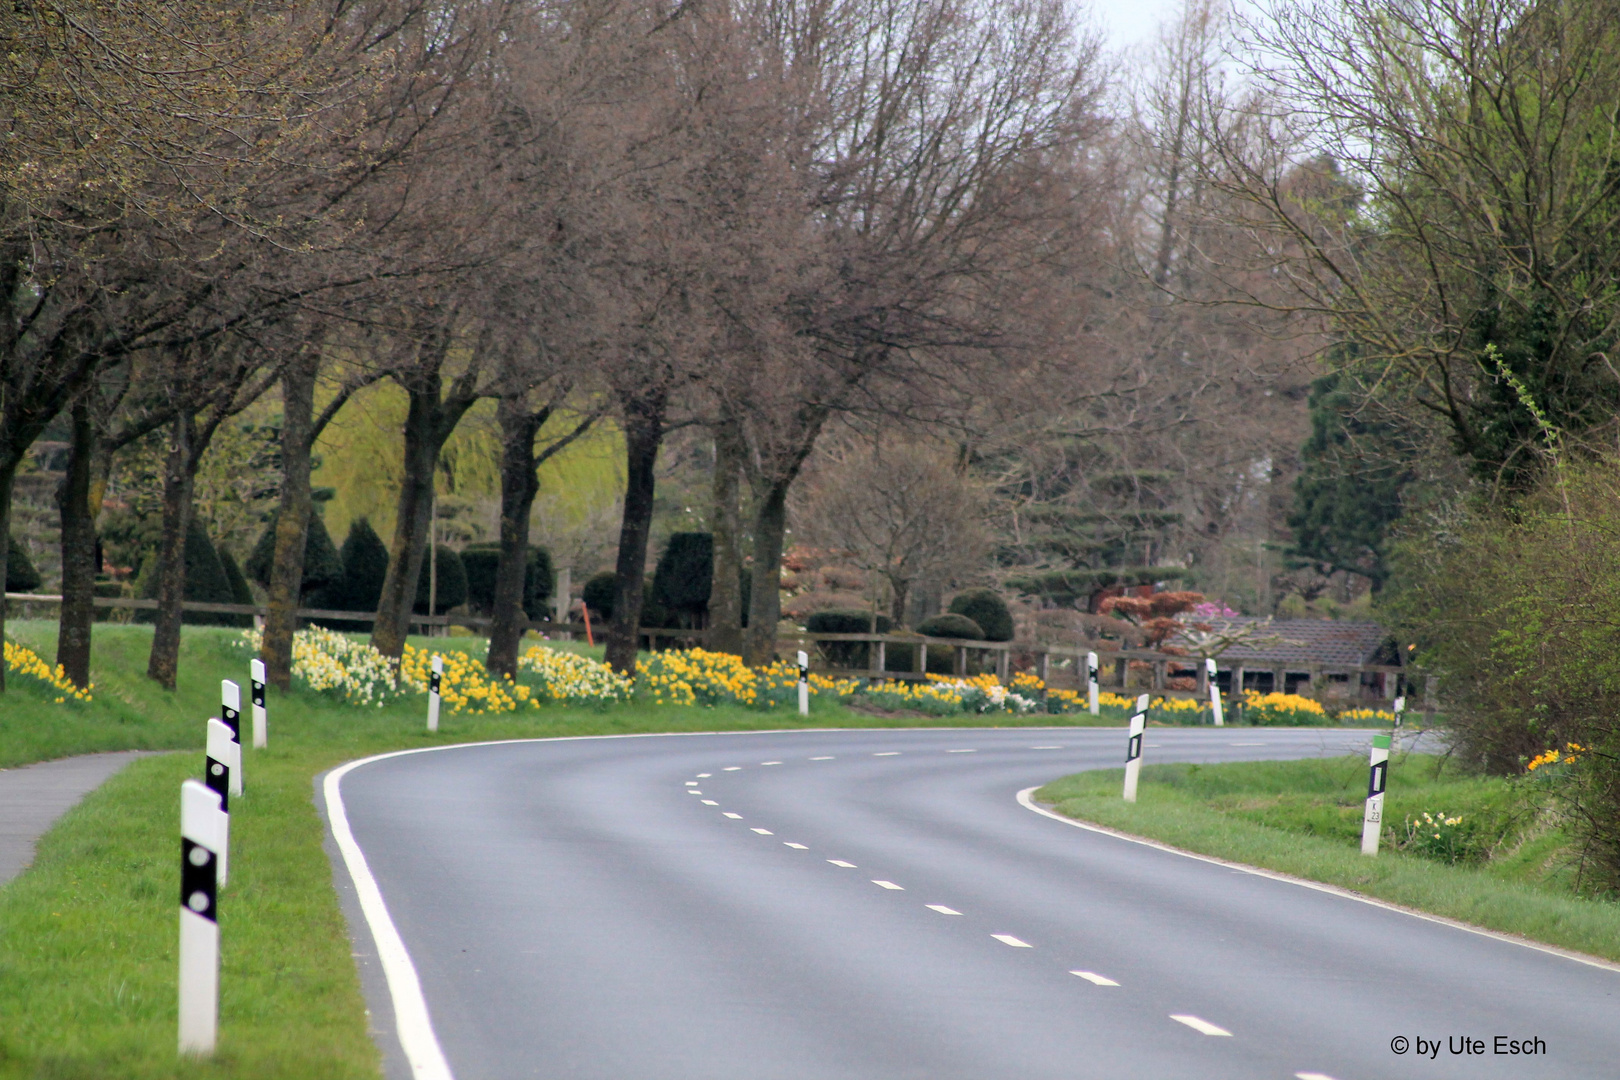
[(709, 802), (1203, 1027), (886, 753), (770, 763), (1027, 801), (1008, 939), (942, 909), (795, 847), (691, 783), (412, 1023), (845, 865), (828, 758), (1093, 977), (889, 885), (764, 832), (961, 751), (734, 817)]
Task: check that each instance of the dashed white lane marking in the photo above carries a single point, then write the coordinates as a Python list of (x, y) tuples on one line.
[(795, 847), (1200, 1025), (734, 817), (710, 802), (841, 862), (889, 885), (764, 832), (1046, 748), (1246, 744), (886, 753), (1312, 1076), (1093, 977), (732, 768), (691, 783), (770, 763), (827, 757), (961, 751), (704, 775), (942, 909), (1008, 939), (1154, 745), (693, 791)]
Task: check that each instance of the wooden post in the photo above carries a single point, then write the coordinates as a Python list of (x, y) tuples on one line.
[(1160, 668), (1046, 666), (877, 656), (1003, 663), (961, 661), (922, 660)]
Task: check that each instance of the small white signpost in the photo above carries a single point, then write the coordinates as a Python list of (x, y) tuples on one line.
[(261, 734), (230, 711), (1214, 693), (1372, 822), (200, 859), (1133, 748), (804, 683), (217, 775), (433, 692), (1091, 681)]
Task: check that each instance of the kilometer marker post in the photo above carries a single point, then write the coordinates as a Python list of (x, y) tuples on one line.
[(433, 692), (1133, 748), (217, 775), (230, 712), (804, 683), (261, 733), (1091, 682), (1214, 693), (1372, 822), (200, 851)]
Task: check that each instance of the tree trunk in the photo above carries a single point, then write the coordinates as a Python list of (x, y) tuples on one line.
[(765, 599), (8, 476), (73, 501), (643, 432), (292, 521), (725, 594), (519, 485), (422, 444), (178, 475)]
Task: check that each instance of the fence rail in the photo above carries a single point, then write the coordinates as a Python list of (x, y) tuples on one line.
[(1057, 665)]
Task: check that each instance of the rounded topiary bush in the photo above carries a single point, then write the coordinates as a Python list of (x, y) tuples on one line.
[(988, 609), (951, 625), (599, 592), (451, 586), (20, 573), (684, 575)]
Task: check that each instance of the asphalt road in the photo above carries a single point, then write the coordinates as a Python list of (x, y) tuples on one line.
[(854, 904)]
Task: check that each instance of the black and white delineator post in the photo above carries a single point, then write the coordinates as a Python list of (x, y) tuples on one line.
[(1400, 710), (230, 711), (1372, 822), (261, 734), (433, 691), (1214, 693), (217, 775), (1091, 682), (1133, 748), (804, 683), (200, 850)]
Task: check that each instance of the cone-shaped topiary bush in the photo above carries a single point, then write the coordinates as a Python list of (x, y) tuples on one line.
[(206, 580), (481, 562), (452, 583), (365, 563), (21, 576), (684, 575), (322, 586)]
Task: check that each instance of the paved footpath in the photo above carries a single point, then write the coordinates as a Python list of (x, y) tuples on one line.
[(34, 796)]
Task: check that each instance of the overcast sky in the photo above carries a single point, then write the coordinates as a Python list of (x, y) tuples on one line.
[(1131, 22)]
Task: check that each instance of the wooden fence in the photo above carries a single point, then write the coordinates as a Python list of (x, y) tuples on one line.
[(1060, 666)]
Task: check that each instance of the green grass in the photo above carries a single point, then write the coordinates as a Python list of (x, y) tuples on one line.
[(1304, 818), (87, 935)]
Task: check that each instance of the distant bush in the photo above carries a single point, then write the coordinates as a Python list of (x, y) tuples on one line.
[(951, 625), (241, 592), (20, 573), (365, 565), (322, 585), (684, 576), (989, 610), (598, 594), (206, 581), (481, 562), (451, 585)]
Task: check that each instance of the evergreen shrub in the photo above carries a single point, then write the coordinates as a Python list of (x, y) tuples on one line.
[(684, 576), (855, 654), (21, 576), (365, 564), (452, 583), (481, 562), (951, 625), (988, 609), (322, 585), (206, 580)]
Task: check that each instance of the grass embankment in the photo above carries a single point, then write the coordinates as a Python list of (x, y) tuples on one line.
[(87, 935), (1514, 870)]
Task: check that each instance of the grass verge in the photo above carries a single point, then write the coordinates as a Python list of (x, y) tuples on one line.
[(87, 934), (1304, 818)]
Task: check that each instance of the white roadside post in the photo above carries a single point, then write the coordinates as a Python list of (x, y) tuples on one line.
[(1400, 709), (1091, 682), (217, 775), (1372, 822), (230, 711), (433, 692), (1214, 693), (261, 734), (804, 683), (1133, 748), (199, 918)]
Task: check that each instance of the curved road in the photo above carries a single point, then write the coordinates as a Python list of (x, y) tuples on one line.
[(877, 904)]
